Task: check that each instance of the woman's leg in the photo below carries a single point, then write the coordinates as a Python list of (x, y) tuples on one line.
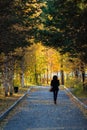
[(56, 93), (55, 96)]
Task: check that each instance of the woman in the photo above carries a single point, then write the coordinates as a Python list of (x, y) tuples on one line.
[(55, 85)]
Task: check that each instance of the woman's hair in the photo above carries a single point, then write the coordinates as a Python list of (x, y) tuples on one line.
[(55, 77)]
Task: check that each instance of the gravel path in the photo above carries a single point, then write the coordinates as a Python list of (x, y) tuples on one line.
[(38, 112)]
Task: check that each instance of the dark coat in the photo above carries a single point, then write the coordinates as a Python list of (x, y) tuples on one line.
[(55, 84)]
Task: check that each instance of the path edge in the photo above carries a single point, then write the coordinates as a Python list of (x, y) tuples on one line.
[(3, 115), (76, 99)]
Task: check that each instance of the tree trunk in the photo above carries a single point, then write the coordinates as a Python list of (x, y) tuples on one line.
[(11, 76), (62, 77), (22, 79), (83, 80), (83, 75), (5, 78), (8, 72)]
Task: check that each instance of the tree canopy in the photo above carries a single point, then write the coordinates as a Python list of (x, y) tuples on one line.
[(58, 23), (64, 26), (17, 23)]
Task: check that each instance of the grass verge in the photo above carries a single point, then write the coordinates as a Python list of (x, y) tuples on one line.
[(76, 88), (6, 102)]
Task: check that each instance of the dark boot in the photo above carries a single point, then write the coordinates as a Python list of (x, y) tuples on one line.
[(54, 102)]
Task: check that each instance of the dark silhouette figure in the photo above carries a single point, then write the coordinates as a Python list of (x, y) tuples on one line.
[(55, 85)]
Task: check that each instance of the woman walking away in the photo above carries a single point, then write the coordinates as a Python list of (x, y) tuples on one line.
[(55, 85)]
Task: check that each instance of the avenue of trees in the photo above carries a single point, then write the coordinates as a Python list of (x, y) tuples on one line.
[(42, 37)]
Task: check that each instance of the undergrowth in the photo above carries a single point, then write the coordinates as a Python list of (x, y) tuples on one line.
[(76, 87)]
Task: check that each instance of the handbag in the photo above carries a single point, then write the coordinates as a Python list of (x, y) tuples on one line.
[(51, 89)]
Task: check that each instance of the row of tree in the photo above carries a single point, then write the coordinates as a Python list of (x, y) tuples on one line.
[(17, 25), (65, 28), (60, 24), (36, 65)]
